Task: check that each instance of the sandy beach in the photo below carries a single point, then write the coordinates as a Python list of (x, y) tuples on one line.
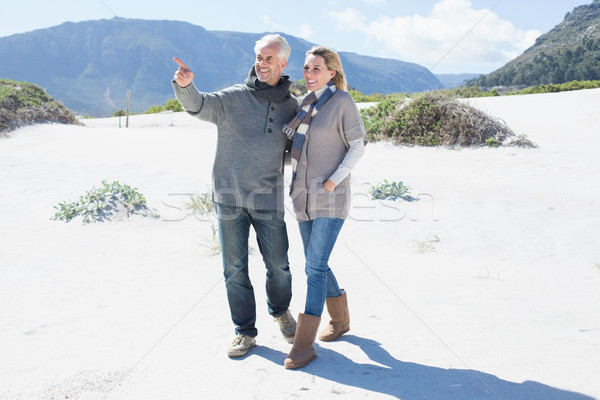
[(486, 287)]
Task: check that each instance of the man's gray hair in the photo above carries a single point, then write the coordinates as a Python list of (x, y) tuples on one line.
[(284, 47)]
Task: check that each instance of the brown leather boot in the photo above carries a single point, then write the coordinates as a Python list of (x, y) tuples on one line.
[(303, 352), (337, 307)]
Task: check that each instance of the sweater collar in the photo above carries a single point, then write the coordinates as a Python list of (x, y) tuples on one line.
[(262, 90)]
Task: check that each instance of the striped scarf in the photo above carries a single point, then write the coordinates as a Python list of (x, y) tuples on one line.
[(297, 128)]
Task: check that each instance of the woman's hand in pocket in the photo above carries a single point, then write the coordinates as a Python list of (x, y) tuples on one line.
[(329, 186)]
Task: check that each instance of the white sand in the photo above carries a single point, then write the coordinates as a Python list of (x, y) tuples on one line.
[(507, 306)]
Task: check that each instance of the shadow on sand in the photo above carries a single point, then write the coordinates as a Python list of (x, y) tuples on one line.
[(409, 381)]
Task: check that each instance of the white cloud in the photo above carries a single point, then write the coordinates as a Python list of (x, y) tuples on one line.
[(454, 36), (265, 19), (303, 31), (349, 19), (374, 1)]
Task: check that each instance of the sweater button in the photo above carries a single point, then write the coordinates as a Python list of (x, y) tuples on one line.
[(304, 163)]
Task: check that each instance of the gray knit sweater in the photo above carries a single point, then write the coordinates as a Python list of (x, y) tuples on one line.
[(248, 167), (331, 131)]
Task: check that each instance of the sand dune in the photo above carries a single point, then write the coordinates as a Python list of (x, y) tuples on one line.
[(505, 306)]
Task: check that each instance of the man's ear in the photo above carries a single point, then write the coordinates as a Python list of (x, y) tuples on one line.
[(283, 64)]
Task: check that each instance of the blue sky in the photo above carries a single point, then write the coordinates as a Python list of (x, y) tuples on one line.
[(446, 36)]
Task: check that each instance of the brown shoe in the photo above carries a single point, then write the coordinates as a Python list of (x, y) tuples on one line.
[(337, 307), (303, 352)]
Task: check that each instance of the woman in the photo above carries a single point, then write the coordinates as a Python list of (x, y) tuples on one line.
[(328, 140)]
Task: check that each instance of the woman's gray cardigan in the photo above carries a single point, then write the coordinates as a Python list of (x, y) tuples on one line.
[(331, 130)]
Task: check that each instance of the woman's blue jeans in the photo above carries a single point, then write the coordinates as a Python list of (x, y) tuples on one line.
[(319, 236), (271, 235)]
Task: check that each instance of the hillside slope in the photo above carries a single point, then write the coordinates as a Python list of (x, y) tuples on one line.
[(570, 51)]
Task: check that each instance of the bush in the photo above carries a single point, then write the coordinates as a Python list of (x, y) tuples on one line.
[(390, 190), (466, 92), (23, 103), (562, 87), (298, 88), (112, 201), (170, 105), (434, 119), (372, 98)]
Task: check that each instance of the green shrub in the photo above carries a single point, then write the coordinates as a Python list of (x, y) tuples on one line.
[(372, 98), (153, 110), (390, 190), (466, 92), (111, 201), (298, 88), (433, 119), (554, 88), (23, 103), (170, 105)]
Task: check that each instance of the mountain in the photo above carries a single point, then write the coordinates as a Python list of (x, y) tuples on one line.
[(89, 66), (570, 51), (451, 81)]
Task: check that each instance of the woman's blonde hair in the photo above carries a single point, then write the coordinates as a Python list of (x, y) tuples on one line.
[(333, 63)]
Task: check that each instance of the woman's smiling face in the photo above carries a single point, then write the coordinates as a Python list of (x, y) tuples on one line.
[(316, 74)]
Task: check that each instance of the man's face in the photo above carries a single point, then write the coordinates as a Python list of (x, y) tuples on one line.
[(268, 66)]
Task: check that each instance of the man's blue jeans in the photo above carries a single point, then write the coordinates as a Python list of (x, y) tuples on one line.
[(271, 235), (319, 236)]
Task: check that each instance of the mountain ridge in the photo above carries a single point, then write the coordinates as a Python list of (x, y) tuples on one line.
[(89, 65)]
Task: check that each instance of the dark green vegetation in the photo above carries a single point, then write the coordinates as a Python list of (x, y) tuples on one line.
[(23, 103), (570, 51)]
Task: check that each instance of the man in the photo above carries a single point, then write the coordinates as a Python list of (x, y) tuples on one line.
[(248, 181)]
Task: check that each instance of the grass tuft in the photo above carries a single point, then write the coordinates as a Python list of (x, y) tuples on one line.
[(202, 204), (426, 244)]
